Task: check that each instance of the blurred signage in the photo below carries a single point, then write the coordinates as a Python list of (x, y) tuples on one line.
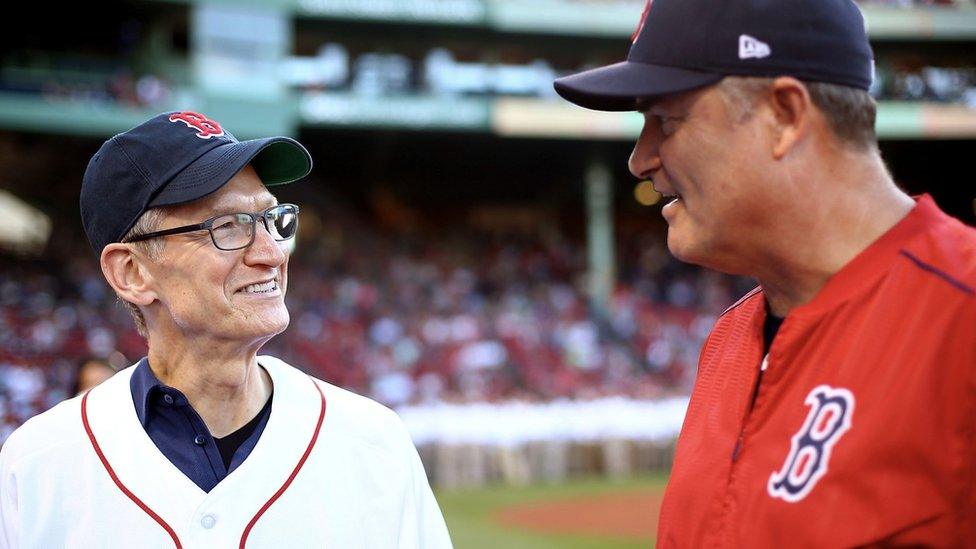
[(410, 112), (946, 22), (237, 49), (524, 117), (374, 73), (444, 75), (589, 18), (436, 11)]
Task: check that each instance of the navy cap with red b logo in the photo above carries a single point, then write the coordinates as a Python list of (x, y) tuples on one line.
[(174, 158), (681, 45)]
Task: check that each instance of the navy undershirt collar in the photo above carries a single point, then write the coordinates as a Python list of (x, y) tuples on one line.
[(770, 328), (180, 434)]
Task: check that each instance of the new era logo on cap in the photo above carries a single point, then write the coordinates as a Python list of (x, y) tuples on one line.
[(751, 48), (206, 128)]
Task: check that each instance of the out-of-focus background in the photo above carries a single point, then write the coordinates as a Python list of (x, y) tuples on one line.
[(473, 252)]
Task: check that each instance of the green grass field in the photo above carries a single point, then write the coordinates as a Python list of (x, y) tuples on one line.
[(468, 514)]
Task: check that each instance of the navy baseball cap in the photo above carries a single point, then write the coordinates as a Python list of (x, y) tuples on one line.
[(681, 45), (174, 158)]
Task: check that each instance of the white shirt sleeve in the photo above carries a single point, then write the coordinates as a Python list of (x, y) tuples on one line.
[(9, 516), (422, 525)]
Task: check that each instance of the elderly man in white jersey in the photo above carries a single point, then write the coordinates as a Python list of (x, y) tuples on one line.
[(204, 442)]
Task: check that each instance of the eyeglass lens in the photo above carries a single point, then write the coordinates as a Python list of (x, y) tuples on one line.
[(233, 231), (283, 222)]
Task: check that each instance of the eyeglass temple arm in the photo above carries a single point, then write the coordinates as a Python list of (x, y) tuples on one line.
[(175, 230)]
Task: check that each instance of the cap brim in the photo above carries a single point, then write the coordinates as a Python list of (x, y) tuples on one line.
[(617, 87), (277, 161)]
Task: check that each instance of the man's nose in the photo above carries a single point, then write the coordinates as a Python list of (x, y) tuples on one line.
[(265, 249), (645, 158)]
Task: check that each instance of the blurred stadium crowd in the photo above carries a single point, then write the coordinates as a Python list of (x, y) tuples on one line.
[(457, 318)]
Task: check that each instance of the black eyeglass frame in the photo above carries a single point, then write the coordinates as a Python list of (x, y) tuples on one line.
[(207, 225)]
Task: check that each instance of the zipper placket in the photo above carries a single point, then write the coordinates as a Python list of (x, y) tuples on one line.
[(752, 404)]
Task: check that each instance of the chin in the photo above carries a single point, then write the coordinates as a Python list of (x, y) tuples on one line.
[(688, 253), (265, 324), (278, 324), (679, 248), (716, 259)]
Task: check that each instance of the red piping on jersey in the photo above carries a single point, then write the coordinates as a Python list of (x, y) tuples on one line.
[(111, 473), (291, 477)]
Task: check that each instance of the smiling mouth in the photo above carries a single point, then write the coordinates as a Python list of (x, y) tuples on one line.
[(260, 288), (667, 193)]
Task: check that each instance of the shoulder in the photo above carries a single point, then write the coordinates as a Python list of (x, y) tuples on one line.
[(944, 255), (45, 433), (743, 312), (747, 303), (735, 327), (363, 418), (48, 433), (349, 415)]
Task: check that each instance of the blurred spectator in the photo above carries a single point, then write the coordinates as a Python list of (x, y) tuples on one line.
[(90, 374)]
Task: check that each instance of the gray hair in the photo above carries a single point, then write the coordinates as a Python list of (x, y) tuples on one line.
[(147, 223), (850, 112)]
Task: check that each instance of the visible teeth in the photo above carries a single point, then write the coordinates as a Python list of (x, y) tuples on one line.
[(262, 288)]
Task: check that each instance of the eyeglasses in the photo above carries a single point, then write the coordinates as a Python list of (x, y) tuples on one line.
[(235, 231)]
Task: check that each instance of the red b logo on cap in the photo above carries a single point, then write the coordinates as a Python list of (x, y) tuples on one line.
[(206, 128)]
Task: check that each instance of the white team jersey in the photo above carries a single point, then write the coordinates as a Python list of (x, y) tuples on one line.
[(331, 469)]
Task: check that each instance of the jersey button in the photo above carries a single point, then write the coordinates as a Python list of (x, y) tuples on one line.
[(208, 521), (200, 440), (168, 399)]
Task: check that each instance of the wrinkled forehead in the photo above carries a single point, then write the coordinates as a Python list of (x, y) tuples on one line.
[(240, 202)]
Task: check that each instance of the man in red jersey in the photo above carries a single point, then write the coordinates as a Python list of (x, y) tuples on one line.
[(835, 405)]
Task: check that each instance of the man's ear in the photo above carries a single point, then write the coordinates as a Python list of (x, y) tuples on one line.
[(125, 271), (793, 110)]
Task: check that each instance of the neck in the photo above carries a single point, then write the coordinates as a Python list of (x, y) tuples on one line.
[(837, 215), (226, 389)]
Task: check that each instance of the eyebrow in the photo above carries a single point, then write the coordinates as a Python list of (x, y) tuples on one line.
[(224, 210)]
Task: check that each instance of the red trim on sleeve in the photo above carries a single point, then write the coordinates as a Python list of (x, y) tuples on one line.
[(111, 473), (291, 477)]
